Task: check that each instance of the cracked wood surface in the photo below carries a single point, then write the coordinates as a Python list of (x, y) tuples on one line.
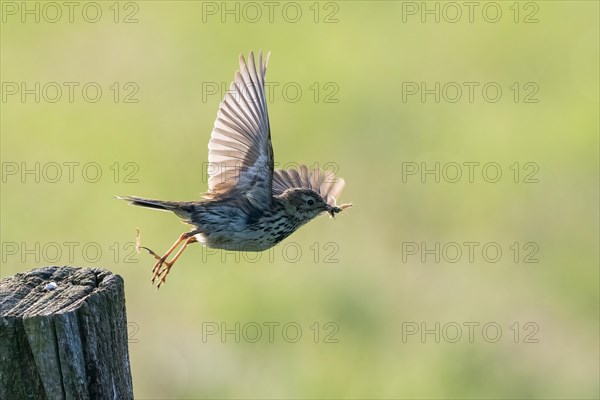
[(63, 335)]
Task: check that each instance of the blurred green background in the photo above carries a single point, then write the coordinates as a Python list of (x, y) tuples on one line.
[(356, 59)]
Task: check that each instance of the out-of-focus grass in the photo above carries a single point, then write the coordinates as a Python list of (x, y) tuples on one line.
[(371, 293)]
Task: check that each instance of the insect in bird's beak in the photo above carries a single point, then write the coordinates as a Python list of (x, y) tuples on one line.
[(332, 210)]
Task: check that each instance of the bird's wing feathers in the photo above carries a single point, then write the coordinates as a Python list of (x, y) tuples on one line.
[(321, 182), (240, 153)]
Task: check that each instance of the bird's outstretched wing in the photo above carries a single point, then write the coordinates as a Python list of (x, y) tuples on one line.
[(240, 154), (321, 182)]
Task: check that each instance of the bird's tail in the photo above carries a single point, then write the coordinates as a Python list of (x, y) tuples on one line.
[(182, 209)]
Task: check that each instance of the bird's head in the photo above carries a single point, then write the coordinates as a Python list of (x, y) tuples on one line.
[(305, 204)]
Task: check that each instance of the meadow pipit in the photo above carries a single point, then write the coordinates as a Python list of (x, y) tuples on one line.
[(249, 206)]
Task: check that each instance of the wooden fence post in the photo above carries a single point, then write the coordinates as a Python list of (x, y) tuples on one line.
[(63, 335)]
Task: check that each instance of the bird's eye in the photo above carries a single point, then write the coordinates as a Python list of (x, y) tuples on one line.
[(310, 202)]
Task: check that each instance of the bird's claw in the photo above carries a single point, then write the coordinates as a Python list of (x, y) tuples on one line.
[(157, 271), (160, 272)]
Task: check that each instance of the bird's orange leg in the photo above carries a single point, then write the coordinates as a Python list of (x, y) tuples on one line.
[(162, 259), (165, 271)]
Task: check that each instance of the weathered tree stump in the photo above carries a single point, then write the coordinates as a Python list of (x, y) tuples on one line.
[(63, 335)]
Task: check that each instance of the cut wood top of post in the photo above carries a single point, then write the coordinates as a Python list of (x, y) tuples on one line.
[(52, 290)]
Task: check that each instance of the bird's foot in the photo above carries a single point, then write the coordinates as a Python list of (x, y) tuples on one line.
[(162, 274), (161, 270), (162, 267)]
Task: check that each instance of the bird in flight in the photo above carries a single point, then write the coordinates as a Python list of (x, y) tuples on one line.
[(249, 206)]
